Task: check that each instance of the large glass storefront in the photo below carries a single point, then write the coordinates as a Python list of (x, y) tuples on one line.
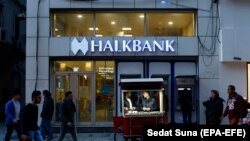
[(92, 83), (95, 85), (123, 23)]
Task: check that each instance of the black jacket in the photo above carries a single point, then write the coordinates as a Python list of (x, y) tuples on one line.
[(48, 109), (214, 110), (30, 118), (67, 111)]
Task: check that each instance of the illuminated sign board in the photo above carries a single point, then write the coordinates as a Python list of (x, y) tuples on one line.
[(121, 46)]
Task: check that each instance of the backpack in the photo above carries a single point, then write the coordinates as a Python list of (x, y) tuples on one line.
[(246, 106)]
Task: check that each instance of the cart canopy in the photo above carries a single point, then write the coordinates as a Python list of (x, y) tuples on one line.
[(142, 84)]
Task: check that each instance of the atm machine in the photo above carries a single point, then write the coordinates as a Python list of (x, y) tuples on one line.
[(186, 84)]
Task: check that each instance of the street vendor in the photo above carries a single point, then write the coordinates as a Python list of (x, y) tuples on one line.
[(148, 103), (128, 103)]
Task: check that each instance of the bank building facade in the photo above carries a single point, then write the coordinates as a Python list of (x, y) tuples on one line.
[(88, 46)]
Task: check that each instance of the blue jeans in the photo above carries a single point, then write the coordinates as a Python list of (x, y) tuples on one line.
[(46, 129), (35, 135)]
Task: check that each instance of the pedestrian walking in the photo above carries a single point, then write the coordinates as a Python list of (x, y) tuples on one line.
[(13, 114), (46, 115), (214, 108), (234, 107), (67, 112), (30, 118)]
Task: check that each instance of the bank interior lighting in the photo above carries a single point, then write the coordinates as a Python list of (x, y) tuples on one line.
[(88, 65), (126, 28), (62, 65), (79, 16), (127, 35), (85, 77), (170, 23), (141, 16), (91, 28), (75, 69)]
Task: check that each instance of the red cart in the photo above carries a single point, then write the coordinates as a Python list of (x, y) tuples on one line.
[(144, 105)]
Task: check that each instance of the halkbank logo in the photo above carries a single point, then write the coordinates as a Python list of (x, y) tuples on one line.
[(82, 46), (122, 45)]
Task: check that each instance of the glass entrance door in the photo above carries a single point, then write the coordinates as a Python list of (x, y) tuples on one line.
[(84, 98), (82, 87), (62, 83)]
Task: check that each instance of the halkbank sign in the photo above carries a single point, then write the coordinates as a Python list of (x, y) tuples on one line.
[(127, 46)]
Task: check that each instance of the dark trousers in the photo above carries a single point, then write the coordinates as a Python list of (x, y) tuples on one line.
[(10, 128), (187, 117), (46, 129), (65, 128)]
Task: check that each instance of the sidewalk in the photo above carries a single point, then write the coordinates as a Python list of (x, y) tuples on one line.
[(80, 136)]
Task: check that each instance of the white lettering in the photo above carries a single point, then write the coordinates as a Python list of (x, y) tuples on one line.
[(156, 44), (108, 46), (117, 46), (132, 46), (169, 45), (126, 46), (147, 46), (136, 45), (93, 45), (179, 132), (162, 132)]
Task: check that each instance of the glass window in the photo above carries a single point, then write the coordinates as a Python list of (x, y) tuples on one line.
[(136, 103), (119, 24), (170, 24), (104, 90), (62, 84), (73, 66), (123, 23), (73, 24)]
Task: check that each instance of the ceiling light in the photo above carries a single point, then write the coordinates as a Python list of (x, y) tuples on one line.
[(98, 35), (56, 29), (62, 65), (79, 16), (88, 65), (91, 28), (75, 69), (141, 16), (127, 35), (126, 28), (113, 22), (170, 23)]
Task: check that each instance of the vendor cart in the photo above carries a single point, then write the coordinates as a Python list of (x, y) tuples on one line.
[(144, 106)]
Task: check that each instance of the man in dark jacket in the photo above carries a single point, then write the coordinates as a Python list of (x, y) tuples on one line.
[(214, 108), (186, 106), (148, 103), (46, 115), (67, 111), (13, 112), (128, 103)]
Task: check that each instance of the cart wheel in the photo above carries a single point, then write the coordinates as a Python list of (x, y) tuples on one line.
[(118, 133)]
